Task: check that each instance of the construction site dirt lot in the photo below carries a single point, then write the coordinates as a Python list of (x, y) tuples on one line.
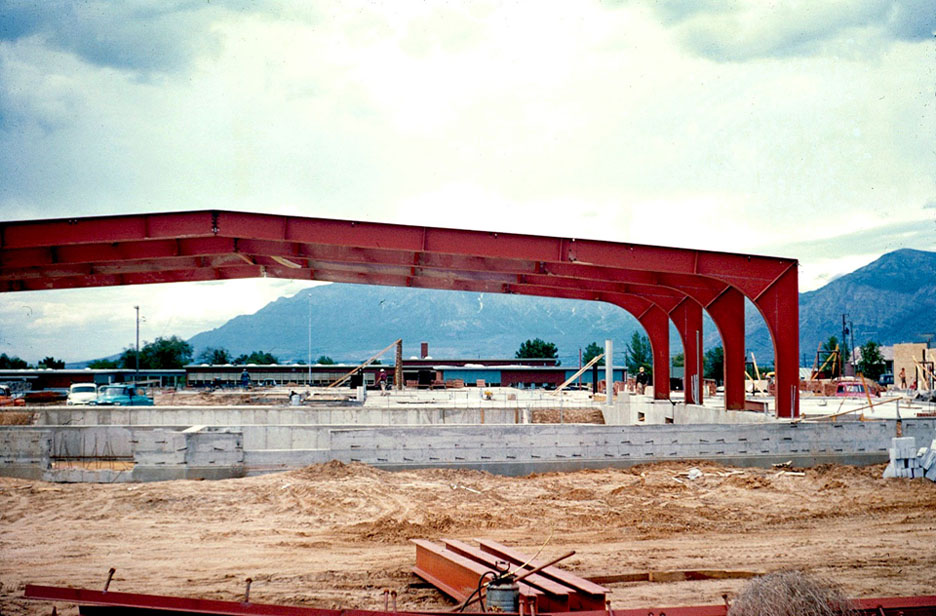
[(336, 535)]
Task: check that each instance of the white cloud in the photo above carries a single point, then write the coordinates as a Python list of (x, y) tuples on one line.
[(81, 324), (740, 31), (737, 126)]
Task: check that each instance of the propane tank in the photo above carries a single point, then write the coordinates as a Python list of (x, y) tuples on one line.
[(503, 594)]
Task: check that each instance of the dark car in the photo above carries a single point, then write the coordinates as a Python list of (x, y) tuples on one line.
[(122, 395), (886, 379)]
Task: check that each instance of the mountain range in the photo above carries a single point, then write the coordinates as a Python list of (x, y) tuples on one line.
[(890, 300)]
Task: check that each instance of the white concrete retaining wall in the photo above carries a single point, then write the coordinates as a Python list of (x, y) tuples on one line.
[(215, 452), (501, 446), (24, 452), (634, 410), (247, 415)]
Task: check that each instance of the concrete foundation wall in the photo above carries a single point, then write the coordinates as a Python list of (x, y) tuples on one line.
[(76, 453), (24, 452), (611, 445), (633, 410), (626, 410), (233, 416), (216, 452), (924, 430)]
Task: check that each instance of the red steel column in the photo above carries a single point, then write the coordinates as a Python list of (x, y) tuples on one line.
[(779, 304), (688, 319), (727, 311), (656, 322)]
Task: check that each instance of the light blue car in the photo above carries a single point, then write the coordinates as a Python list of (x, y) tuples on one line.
[(122, 395)]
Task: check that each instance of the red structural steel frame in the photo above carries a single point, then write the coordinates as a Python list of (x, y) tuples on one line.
[(151, 604), (658, 285)]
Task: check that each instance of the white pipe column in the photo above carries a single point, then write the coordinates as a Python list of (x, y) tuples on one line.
[(609, 373)]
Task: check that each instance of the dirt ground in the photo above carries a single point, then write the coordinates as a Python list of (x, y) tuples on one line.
[(336, 535)]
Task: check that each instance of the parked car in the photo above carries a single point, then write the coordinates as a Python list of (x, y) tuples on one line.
[(54, 395), (122, 395), (7, 398), (81, 393), (854, 389), (886, 379)]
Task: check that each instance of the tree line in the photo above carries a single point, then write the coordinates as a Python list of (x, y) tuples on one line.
[(8, 362), (639, 354), (173, 352)]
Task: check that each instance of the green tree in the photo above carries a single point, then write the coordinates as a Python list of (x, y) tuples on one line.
[(102, 364), (172, 352), (257, 357), (536, 349), (592, 351), (12, 363), (639, 354), (714, 364), (215, 357), (871, 364), (51, 362), (127, 359), (679, 360), (325, 360), (833, 369)]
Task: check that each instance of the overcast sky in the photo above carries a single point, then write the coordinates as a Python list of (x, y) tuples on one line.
[(798, 129)]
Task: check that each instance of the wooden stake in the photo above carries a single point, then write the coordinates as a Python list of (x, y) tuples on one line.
[(364, 365), (579, 373)]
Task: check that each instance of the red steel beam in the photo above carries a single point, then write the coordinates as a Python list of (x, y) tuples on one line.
[(457, 576), (588, 595), (688, 319), (727, 311), (924, 605), (751, 273), (656, 323), (779, 305), (38, 255), (557, 597), (183, 605)]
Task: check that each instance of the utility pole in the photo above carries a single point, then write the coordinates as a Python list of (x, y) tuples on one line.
[(842, 346), (851, 328), (136, 376), (309, 382)]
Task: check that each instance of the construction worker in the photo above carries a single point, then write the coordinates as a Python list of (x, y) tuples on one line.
[(643, 379), (382, 382)]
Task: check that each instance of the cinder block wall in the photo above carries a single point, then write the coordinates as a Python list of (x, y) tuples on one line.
[(218, 452)]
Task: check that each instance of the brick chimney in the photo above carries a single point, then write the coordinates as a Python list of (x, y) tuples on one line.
[(423, 350)]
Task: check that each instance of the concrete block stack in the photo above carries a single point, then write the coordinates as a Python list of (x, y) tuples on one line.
[(929, 462), (909, 462)]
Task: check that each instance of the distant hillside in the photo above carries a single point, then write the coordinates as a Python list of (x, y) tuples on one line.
[(351, 322), (890, 300)]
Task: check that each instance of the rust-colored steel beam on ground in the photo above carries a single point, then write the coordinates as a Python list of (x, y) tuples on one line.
[(133, 603), (457, 576), (110, 603), (557, 596), (586, 596)]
